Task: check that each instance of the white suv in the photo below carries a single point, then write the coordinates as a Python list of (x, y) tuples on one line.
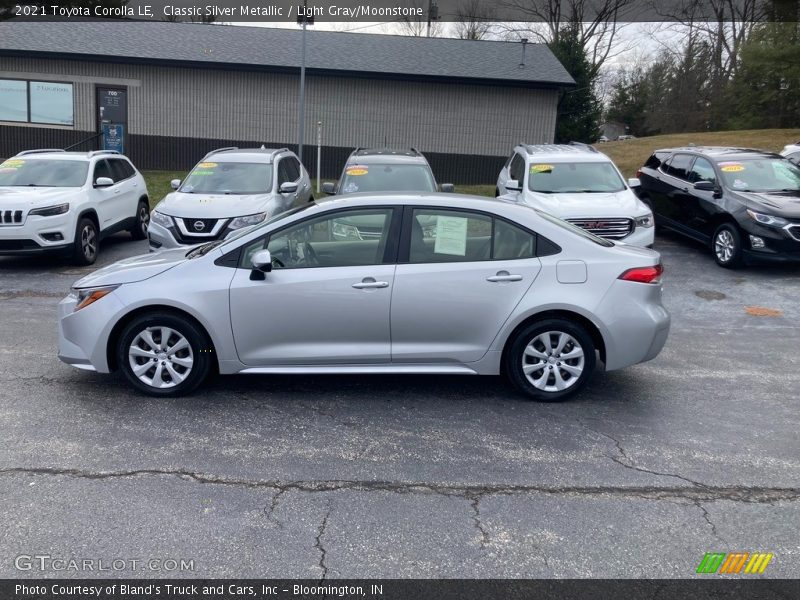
[(52, 201), (579, 184), (229, 189)]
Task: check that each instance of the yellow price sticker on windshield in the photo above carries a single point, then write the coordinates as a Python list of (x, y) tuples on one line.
[(542, 168), (732, 168), (12, 163), (207, 165), (356, 171)]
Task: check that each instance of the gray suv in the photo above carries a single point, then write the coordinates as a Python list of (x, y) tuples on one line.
[(229, 189)]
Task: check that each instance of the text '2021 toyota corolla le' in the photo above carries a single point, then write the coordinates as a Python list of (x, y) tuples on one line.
[(432, 283)]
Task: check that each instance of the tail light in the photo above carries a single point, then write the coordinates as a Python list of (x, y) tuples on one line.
[(644, 274), (638, 173)]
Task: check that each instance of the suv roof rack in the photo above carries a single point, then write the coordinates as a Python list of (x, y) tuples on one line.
[(96, 152), (277, 151), (42, 151), (588, 147), (226, 149)]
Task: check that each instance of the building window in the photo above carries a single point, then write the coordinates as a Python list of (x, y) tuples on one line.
[(13, 100), (48, 102)]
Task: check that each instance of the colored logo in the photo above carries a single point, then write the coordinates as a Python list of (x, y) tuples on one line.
[(734, 563)]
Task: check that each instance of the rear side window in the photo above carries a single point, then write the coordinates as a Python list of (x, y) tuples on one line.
[(120, 169), (678, 166), (656, 159), (510, 242)]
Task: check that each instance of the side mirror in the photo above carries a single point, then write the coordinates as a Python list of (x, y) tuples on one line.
[(290, 187), (103, 182), (705, 186), (175, 183), (634, 182), (329, 188), (448, 188), (262, 263), (512, 185)]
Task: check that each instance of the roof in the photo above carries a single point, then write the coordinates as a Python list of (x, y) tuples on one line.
[(386, 156), (233, 154), (51, 153), (259, 48), (719, 152)]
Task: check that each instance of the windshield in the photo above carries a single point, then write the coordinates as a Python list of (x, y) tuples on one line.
[(228, 178), (761, 175), (41, 172), (574, 229), (387, 178), (566, 178)]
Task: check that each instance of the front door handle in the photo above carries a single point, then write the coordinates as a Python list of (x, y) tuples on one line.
[(504, 276), (369, 283)]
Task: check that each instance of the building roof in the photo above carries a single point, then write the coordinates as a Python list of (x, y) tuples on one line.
[(259, 48)]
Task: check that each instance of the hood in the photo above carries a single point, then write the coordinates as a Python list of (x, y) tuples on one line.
[(781, 204), (12, 197), (135, 268), (582, 205), (214, 206)]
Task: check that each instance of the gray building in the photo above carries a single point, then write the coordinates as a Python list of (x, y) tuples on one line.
[(168, 92)]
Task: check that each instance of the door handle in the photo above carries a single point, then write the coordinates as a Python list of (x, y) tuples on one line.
[(504, 276), (370, 283)]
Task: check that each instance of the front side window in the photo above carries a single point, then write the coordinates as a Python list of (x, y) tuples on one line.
[(760, 175), (342, 239), (702, 170), (517, 169), (386, 178), (565, 178), (210, 177), (43, 173), (101, 169)]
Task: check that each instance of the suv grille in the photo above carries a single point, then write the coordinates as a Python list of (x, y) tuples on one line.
[(614, 229), (199, 226), (10, 217)]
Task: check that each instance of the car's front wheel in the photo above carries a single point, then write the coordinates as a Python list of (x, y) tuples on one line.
[(139, 229), (551, 360), (727, 246), (164, 354), (87, 242)]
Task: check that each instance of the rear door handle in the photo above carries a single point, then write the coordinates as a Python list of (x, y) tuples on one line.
[(370, 283), (504, 276)]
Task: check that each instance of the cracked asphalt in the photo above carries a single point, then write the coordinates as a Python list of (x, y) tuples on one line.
[(384, 477)]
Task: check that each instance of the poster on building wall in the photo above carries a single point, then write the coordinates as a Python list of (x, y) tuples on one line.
[(113, 137)]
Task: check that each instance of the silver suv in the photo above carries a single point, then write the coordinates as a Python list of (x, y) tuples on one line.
[(577, 183), (229, 189), (386, 170)]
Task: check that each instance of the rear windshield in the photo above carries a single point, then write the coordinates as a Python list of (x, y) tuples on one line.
[(760, 175), (574, 229), (40, 172), (386, 178), (566, 178), (211, 177)]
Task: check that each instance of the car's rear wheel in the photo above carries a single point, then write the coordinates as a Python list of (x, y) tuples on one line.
[(727, 246), (87, 242), (551, 360), (163, 354), (139, 229)]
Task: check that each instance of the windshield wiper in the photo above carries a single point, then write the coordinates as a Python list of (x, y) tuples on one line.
[(204, 249)]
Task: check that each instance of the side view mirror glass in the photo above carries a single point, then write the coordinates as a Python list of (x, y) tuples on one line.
[(329, 187), (102, 182), (175, 183), (634, 182), (448, 188), (706, 186), (262, 261), (512, 185), (290, 187)]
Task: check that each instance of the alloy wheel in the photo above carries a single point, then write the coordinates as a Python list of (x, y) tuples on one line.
[(89, 242), (144, 219), (553, 361), (160, 357), (724, 245)]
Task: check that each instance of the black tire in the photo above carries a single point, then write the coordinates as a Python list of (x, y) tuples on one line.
[(198, 351), (139, 229), (550, 369), (87, 242), (726, 246)]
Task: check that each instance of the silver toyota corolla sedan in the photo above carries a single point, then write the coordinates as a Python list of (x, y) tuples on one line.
[(375, 283)]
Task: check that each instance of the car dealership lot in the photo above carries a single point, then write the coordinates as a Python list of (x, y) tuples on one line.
[(305, 476)]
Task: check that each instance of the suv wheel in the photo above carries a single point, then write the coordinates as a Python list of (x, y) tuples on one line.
[(551, 360), (727, 246), (87, 242), (163, 354), (139, 229)]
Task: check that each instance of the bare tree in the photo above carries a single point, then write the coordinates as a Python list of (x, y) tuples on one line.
[(418, 26), (474, 21)]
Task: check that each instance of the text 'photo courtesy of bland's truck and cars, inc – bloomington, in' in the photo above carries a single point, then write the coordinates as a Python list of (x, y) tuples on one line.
[(249, 254)]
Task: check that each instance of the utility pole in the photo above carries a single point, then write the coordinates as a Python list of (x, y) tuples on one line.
[(304, 20), (433, 14)]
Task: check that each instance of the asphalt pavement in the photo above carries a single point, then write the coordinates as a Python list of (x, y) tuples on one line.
[(380, 477)]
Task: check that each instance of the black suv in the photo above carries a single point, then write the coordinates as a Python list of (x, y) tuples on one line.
[(386, 170), (744, 203)]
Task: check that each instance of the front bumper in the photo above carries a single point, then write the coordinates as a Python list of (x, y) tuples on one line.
[(779, 244), (83, 335), (38, 235)]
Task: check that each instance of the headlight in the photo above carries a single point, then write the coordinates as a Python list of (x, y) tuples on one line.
[(247, 220), (50, 211), (767, 219), (161, 219), (87, 296), (645, 220)]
